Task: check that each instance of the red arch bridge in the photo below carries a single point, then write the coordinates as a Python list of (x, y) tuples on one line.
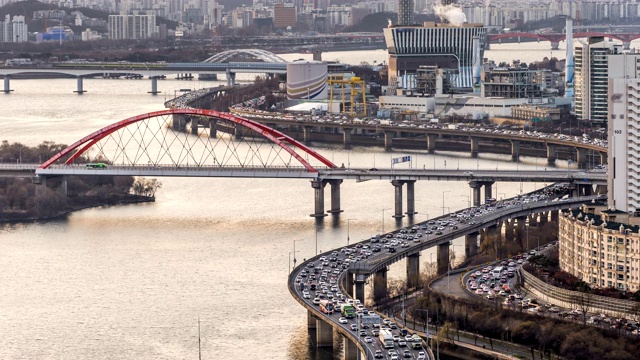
[(208, 143)]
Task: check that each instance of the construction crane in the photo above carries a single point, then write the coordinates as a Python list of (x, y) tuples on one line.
[(356, 88)]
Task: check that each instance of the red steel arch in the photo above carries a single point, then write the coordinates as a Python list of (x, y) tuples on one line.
[(270, 134)]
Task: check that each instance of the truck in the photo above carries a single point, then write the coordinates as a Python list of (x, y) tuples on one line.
[(386, 338), (416, 341), (348, 311)]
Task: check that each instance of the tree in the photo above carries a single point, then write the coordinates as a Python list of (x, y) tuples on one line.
[(583, 302), (47, 202), (145, 187)]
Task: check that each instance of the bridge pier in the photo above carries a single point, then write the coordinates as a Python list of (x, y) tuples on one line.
[(581, 157), (443, 258), (413, 270), (488, 190), (555, 45), (397, 184), (360, 282), (533, 220), (350, 350), (411, 201), (7, 85), (431, 143), (306, 131), (544, 217), (335, 196), (194, 125), (154, 86), (348, 284), (388, 140), (552, 154), (79, 88), (213, 133), (554, 216), (515, 150), (470, 245), (603, 158), (237, 134), (178, 123), (346, 138), (231, 78), (509, 233), (626, 45), (476, 186), (318, 186), (324, 334), (379, 285), (475, 145), (311, 320), (521, 223)]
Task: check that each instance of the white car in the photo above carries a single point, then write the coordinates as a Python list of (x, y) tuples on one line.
[(343, 320), (306, 295), (368, 339)]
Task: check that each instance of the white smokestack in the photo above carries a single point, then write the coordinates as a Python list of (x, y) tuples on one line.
[(477, 64), (569, 64), (450, 13)]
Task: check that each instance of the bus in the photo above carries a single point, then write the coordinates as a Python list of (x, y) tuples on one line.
[(416, 341), (96, 165), (386, 338), (326, 306)]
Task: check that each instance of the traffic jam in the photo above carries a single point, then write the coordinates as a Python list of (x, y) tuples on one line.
[(317, 281)]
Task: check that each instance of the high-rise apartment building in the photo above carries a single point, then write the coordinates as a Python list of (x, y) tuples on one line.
[(132, 27), (591, 78), (624, 132), (405, 12), (13, 30), (284, 15)]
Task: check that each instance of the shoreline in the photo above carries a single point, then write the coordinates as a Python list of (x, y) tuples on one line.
[(73, 209)]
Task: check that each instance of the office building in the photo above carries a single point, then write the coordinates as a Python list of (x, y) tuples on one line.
[(284, 15), (591, 78), (405, 12)]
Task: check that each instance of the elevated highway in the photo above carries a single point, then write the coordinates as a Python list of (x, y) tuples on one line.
[(351, 279)]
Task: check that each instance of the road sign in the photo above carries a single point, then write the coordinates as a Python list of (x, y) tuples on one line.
[(370, 319)]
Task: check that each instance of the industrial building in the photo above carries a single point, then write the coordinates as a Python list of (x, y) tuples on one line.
[(511, 83), (434, 44), (307, 80)]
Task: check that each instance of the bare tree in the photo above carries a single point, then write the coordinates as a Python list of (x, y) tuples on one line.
[(583, 302)]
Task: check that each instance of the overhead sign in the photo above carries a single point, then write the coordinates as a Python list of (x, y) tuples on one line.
[(370, 319)]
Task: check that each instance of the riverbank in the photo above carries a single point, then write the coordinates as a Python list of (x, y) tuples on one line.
[(15, 217)]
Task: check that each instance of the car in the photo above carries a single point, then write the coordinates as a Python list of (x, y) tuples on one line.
[(394, 357), (354, 327), (402, 343), (306, 295), (406, 353), (343, 320), (378, 354), (316, 301), (363, 333), (396, 338), (368, 339)]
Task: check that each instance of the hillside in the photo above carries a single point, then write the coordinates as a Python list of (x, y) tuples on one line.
[(26, 9)]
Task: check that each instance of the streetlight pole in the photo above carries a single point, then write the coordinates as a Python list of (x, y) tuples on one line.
[(446, 191), (468, 199), (290, 252), (294, 252), (348, 229), (383, 220)]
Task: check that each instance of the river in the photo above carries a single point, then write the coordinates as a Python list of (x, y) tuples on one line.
[(132, 281)]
